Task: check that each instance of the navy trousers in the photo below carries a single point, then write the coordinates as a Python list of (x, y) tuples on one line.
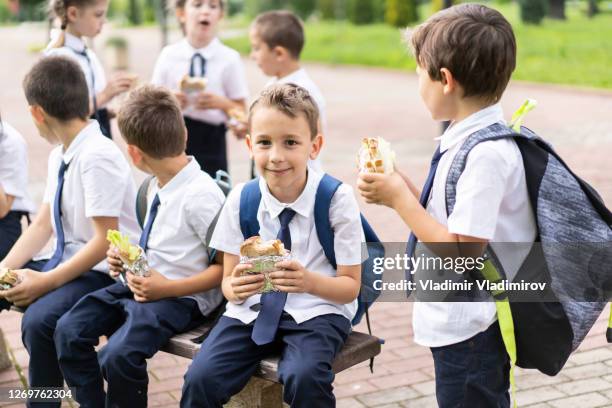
[(228, 358), (136, 332), (39, 323), (207, 144), (10, 230), (474, 373)]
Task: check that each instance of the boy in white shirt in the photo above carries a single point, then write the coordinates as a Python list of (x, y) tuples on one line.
[(184, 284), (89, 191), (309, 318), (277, 40), (202, 54), (466, 55)]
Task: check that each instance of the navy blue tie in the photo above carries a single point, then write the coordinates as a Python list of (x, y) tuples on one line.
[(197, 57), (144, 238), (412, 240), (93, 80), (57, 218), (273, 303)]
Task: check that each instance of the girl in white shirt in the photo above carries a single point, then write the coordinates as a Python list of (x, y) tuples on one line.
[(14, 200), (201, 54), (79, 19)]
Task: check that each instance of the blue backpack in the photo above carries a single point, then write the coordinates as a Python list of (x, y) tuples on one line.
[(250, 198)]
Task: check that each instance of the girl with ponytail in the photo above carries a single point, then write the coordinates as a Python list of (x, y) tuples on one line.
[(79, 19)]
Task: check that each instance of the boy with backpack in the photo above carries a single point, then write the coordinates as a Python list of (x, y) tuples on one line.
[(465, 56), (309, 317), (183, 285)]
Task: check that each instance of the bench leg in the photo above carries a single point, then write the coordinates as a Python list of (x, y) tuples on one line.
[(258, 393), (5, 361)]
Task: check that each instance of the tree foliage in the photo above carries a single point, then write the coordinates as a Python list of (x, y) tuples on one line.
[(533, 11), (400, 13)]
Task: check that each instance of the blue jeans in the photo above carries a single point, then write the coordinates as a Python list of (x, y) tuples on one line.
[(473, 373)]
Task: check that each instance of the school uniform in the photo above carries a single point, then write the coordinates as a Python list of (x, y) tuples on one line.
[(75, 48), (90, 179), (492, 204), (311, 330), (174, 238), (14, 182), (224, 71)]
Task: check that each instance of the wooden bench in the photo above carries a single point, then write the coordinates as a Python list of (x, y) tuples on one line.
[(264, 389)]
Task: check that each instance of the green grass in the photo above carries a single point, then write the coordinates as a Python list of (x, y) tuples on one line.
[(577, 51)]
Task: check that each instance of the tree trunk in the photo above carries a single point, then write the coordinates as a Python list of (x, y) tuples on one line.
[(556, 9), (593, 9), (5, 361)]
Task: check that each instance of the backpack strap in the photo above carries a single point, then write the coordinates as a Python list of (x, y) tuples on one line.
[(250, 197), (325, 192), (141, 200), (212, 252)]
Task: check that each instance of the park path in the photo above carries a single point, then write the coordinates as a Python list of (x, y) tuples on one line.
[(364, 102)]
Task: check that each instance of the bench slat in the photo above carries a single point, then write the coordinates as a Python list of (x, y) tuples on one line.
[(357, 348)]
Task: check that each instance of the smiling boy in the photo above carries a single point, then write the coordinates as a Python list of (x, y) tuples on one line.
[(309, 318)]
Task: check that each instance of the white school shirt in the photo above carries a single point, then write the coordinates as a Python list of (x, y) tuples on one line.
[(224, 73), (301, 78), (305, 247), (14, 168), (72, 47), (97, 183), (492, 203), (177, 242)]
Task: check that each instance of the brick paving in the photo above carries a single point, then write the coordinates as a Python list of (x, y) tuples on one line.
[(365, 102)]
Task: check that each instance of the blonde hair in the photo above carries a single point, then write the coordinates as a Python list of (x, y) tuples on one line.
[(59, 9)]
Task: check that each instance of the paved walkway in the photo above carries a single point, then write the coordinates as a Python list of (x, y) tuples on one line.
[(366, 102)]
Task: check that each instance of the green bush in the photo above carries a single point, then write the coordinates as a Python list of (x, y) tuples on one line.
[(327, 9), (134, 12), (533, 11), (303, 8), (400, 13), (361, 11)]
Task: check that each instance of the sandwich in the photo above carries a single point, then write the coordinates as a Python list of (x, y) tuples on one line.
[(375, 156), (192, 84), (132, 256), (263, 255), (8, 278), (238, 115)]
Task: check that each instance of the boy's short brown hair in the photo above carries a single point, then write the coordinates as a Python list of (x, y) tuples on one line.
[(58, 85), (290, 99), (151, 120), (281, 28), (474, 42)]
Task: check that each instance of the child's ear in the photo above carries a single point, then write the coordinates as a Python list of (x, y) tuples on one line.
[(135, 154), (448, 81), (316, 146), (72, 13), (249, 143), (179, 12), (38, 114), (280, 53)]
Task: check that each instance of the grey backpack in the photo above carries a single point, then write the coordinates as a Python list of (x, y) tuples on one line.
[(572, 253)]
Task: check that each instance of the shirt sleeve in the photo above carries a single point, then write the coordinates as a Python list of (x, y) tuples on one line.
[(227, 236), (13, 170), (345, 220), (105, 179), (481, 189), (234, 80), (202, 207), (159, 71)]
